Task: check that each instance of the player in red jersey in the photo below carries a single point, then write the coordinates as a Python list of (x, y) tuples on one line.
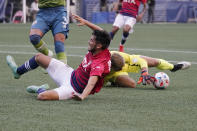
[(127, 18), (87, 79)]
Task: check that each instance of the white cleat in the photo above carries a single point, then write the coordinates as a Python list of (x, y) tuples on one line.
[(12, 65), (34, 89), (185, 64)]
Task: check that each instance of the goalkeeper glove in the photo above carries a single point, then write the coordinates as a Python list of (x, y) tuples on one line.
[(144, 78)]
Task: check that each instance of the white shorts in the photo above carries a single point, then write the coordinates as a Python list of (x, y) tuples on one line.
[(122, 20), (61, 74)]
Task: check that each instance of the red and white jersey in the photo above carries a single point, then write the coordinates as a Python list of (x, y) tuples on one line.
[(131, 7), (98, 65)]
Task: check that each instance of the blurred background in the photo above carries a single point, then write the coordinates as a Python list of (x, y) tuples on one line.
[(102, 11)]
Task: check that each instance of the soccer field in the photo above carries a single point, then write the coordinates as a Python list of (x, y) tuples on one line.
[(113, 109)]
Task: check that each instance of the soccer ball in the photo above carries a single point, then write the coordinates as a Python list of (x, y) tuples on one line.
[(161, 80)]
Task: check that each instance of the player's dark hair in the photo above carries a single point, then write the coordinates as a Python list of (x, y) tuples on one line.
[(117, 62), (102, 37)]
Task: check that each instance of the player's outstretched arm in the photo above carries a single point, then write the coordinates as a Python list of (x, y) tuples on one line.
[(91, 83), (85, 22)]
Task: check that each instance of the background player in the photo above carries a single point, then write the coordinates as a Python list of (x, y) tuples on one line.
[(51, 16), (136, 63), (127, 19), (87, 79)]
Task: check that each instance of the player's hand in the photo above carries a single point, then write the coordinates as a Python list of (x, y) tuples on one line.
[(145, 78), (77, 97), (79, 19)]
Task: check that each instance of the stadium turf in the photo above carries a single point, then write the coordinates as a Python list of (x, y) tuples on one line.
[(113, 109)]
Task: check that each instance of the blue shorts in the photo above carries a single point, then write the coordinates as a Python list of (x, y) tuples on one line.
[(54, 19)]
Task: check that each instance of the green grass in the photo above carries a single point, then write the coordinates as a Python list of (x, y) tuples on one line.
[(113, 109)]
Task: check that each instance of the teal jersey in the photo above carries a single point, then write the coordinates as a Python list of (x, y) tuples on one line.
[(50, 3)]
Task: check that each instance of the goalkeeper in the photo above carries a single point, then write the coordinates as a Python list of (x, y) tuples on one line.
[(51, 16), (138, 63)]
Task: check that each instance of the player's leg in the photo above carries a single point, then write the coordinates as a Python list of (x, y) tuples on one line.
[(118, 23), (62, 93), (43, 93), (128, 28), (125, 81), (60, 29), (42, 60), (31, 64), (38, 29), (47, 95), (181, 66), (59, 47), (36, 40), (61, 75), (125, 35), (165, 65), (114, 31), (159, 63)]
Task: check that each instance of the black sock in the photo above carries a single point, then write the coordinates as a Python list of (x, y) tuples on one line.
[(177, 67)]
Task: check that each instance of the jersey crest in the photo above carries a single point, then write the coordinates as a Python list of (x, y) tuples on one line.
[(129, 1), (85, 63)]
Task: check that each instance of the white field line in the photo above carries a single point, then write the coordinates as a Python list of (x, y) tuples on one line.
[(72, 55), (127, 49), (30, 53)]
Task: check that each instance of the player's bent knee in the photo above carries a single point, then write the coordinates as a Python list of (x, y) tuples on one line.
[(60, 37), (38, 57), (35, 39)]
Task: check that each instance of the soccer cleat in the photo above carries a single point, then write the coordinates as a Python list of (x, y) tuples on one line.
[(181, 66), (185, 64), (11, 63), (34, 89), (121, 48)]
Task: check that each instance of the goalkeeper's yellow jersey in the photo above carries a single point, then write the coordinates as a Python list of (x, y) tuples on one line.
[(133, 63)]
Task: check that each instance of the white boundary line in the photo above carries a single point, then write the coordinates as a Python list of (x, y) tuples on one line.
[(72, 55), (30, 53), (127, 49)]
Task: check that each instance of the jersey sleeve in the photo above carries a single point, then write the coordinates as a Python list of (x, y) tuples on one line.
[(135, 65), (136, 59)]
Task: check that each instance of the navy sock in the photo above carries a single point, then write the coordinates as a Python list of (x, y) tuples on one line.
[(124, 37), (27, 66), (40, 90), (59, 47)]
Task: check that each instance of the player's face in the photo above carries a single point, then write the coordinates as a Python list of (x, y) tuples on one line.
[(92, 44)]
